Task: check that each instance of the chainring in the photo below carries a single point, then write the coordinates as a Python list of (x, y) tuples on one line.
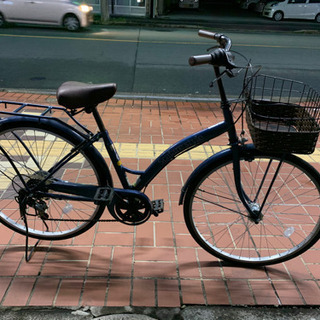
[(131, 209)]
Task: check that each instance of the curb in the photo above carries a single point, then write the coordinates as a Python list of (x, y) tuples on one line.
[(145, 313)]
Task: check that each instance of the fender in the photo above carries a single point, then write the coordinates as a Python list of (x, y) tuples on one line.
[(248, 151), (210, 162), (63, 129)]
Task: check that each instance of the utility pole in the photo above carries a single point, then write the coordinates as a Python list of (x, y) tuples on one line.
[(104, 10)]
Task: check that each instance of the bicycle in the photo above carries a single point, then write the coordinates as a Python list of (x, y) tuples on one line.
[(244, 205)]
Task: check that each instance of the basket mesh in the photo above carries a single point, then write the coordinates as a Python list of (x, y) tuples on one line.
[(282, 115)]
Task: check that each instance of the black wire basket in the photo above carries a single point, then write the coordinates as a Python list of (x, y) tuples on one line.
[(282, 115)]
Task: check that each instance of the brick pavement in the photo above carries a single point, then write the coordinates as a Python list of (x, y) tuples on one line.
[(155, 264)]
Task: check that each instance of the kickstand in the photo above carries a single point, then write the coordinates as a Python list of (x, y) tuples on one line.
[(28, 253)]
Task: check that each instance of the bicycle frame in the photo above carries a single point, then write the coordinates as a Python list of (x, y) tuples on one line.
[(83, 192), (182, 146)]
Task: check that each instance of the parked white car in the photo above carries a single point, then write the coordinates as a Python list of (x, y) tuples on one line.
[(70, 14), (293, 9)]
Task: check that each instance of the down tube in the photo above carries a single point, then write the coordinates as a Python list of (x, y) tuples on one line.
[(177, 149)]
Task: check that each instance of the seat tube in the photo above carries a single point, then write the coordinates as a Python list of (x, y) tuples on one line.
[(115, 159)]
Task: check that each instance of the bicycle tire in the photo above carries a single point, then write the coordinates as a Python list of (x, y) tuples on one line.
[(47, 142), (218, 221)]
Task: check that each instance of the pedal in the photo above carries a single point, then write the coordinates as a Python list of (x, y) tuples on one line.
[(157, 206), (104, 194)]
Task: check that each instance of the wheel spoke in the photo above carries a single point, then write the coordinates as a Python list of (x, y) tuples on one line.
[(286, 190), (33, 152)]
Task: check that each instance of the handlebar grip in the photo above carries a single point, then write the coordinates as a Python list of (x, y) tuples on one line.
[(208, 34), (201, 59), (219, 58)]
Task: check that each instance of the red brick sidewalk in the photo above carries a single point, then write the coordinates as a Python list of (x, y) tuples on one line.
[(154, 264)]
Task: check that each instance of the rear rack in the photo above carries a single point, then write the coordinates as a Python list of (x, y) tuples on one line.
[(19, 109), (22, 105)]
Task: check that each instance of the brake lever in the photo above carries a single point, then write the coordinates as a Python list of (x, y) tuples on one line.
[(229, 73)]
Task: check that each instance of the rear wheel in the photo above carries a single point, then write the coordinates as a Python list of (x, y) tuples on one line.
[(71, 23), (289, 222), (27, 153), (278, 16)]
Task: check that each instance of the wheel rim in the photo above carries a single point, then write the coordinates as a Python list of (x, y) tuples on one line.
[(290, 221), (46, 149), (71, 23), (278, 16), (318, 18)]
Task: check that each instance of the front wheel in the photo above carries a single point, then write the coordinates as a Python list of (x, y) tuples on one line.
[(278, 16), (318, 18), (71, 23), (289, 222)]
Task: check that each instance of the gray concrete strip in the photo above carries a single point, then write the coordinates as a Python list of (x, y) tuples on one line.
[(145, 313)]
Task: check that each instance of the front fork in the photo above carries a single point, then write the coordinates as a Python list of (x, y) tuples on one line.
[(252, 206)]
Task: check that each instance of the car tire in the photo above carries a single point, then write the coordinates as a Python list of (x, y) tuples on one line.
[(318, 18), (2, 20), (278, 16), (71, 22)]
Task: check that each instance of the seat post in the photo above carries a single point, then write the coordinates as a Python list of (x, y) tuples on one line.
[(98, 119)]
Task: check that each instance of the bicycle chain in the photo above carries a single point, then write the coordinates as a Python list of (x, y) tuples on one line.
[(82, 220)]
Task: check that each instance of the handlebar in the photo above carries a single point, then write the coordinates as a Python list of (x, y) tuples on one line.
[(218, 57), (223, 40)]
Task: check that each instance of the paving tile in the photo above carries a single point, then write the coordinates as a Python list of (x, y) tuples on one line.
[(154, 254), (6, 235), (19, 292), (10, 261), (168, 293), (192, 292), (63, 268), (315, 270), (100, 261), (297, 269), (216, 292), (122, 262), (44, 292), (69, 292), (94, 292), (240, 292), (116, 238), (264, 293), (163, 234), (33, 267), (144, 293), (288, 292), (310, 291), (150, 269), (119, 291), (74, 253), (210, 266), (145, 234), (243, 273), (4, 284), (187, 261)]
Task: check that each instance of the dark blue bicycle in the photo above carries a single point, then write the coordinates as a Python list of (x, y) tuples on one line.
[(245, 204)]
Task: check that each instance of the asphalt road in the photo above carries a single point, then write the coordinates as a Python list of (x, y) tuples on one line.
[(146, 61)]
